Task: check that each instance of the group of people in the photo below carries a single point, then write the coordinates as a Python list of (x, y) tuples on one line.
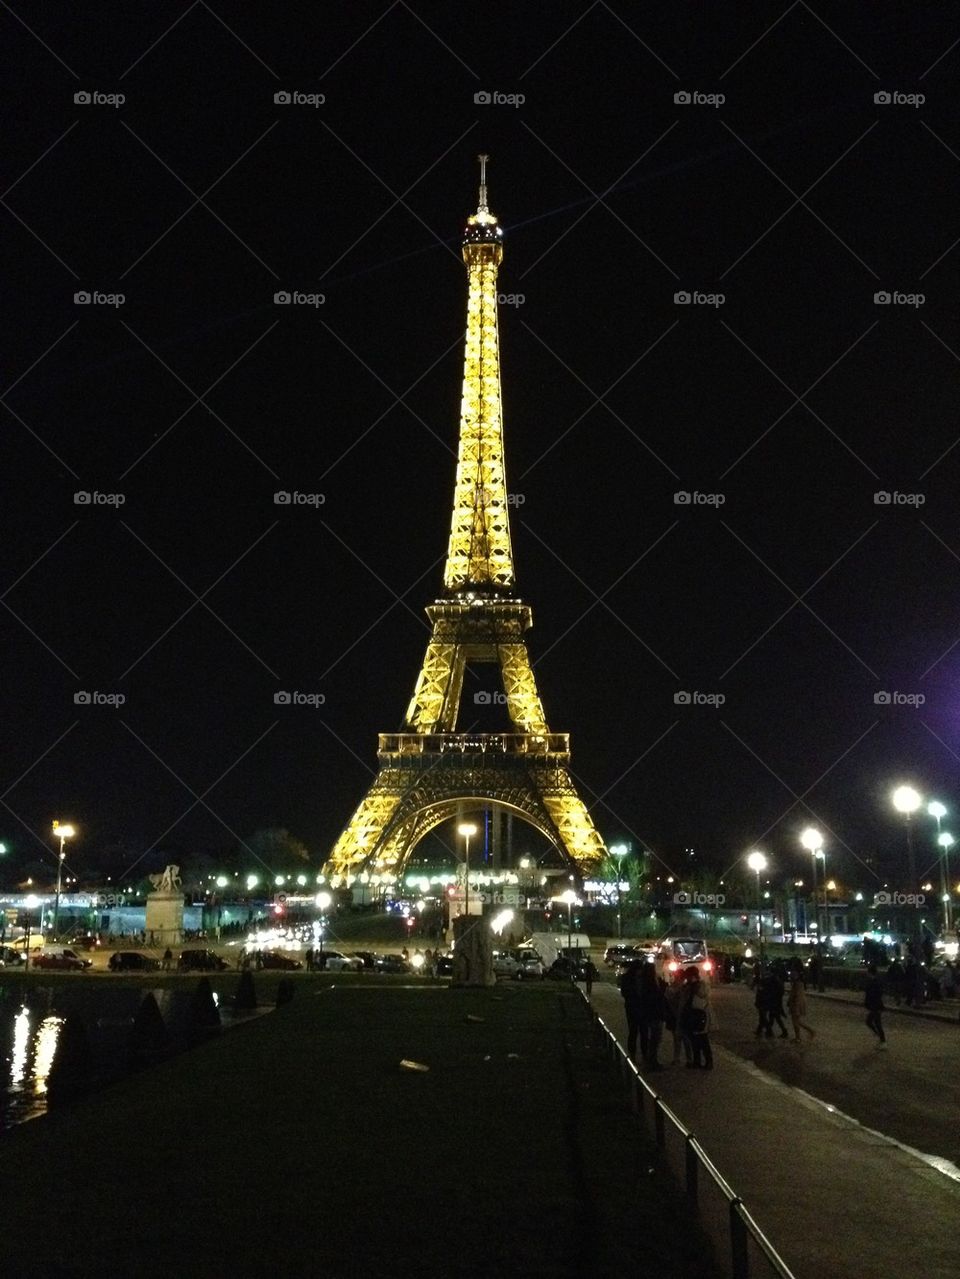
[(683, 1008), (771, 988)]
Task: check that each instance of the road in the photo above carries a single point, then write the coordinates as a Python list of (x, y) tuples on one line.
[(909, 1091)]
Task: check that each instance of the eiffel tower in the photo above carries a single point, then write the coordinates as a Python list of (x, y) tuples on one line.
[(430, 771)]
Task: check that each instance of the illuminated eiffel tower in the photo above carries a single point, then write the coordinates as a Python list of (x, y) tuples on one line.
[(429, 772)]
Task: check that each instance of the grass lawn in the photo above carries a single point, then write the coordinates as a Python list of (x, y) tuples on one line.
[(298, 1143)]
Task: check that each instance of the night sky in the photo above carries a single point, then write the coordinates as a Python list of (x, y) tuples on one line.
[(797, 399)]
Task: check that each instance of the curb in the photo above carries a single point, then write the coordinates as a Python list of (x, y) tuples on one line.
[(905, 1012)]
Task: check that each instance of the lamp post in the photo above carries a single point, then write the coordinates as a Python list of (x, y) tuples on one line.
[(323, 901), (757, 862), (30, 903), (63, 833), (570, 897), (619, 851), (812, 841), (946, 841), (938, 811), (906, 800), (466, 829)]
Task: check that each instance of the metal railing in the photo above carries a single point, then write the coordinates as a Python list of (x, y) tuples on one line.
[(474, 743), (723, 1214)]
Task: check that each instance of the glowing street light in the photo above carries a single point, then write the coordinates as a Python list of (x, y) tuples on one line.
[(619, 851), (758, 862), (812, 841), (571, 899), (946, 842), (63, 833), (466, 829), (906, 800)]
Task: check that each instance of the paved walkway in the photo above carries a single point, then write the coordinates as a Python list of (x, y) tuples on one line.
[(836, 1199), (936, 1010)]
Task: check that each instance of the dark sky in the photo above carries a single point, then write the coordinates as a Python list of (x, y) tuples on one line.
[(798, 599)]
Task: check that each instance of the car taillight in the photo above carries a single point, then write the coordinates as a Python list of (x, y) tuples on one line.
[(673, 966), (708, 965)]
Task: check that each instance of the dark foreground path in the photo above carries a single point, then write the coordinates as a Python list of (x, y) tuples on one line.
[(297, 1144)]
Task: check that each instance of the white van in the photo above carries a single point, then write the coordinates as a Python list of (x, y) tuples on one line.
[(675, 955)]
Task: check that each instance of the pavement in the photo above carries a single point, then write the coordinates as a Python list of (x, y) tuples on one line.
[(845, 1154)]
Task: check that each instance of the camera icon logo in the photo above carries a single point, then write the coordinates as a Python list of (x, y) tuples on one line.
[(482, 98), (881, 498), (282, 98), (682, 298), (281, 699), (82, 98), (281, 498), (81, 699), (81, 498), (882, 98), (283, 298), (682, 97), (482, 699), (881, 699), (82, 298), (681, 699), (681, 498), (882, 298)]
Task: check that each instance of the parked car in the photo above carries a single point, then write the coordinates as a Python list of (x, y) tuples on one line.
[(531, 965), (335, 961), (366, 957), (131, 961), (506, 964), (11, 958), (63, 958), (201, 961), (443, 965), (391, 964), (616, 956), (274, 959)]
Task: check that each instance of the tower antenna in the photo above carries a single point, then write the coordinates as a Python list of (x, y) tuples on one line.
[(482, 207)]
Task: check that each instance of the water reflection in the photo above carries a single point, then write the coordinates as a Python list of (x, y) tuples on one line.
[(29, 1061)]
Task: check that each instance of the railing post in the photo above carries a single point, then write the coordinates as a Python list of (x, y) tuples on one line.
[(693, 1167), (658, 1123), (739, 1256)]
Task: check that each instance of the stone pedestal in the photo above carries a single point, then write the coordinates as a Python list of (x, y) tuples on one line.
[(472, 951), (164, 926)]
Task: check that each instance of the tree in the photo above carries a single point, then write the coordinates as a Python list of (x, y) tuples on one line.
[(275, 847)]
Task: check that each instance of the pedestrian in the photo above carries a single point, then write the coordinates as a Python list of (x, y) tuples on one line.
[(797, 1004), (763, 1002), (949, 979), (651, 1015), (696, 1020), (629, 983), (674, 997), (777, 976), (308, 959), (873, 1002), (167, 959), (897, 980), (589, 974)]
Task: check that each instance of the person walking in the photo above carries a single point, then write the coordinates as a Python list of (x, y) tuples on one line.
[(897, 979), (697, 1021), (873, 1002), (651, 1015), (674, 998), (167, 959), (797, 1004), (589, 976), (629, 983), (308, 959), (765, 1002)]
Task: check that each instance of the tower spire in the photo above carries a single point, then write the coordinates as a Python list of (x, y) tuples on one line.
[(479, 554)]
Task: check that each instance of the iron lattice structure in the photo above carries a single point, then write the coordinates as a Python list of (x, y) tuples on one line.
[(428, 772)]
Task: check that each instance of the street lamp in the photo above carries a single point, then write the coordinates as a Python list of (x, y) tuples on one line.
[(938, 811), (906, 800), (323, 902), (63, 833), (619, 851), (812, 841), (570, 897), (757, 862), (946, 841), (466, 829)]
